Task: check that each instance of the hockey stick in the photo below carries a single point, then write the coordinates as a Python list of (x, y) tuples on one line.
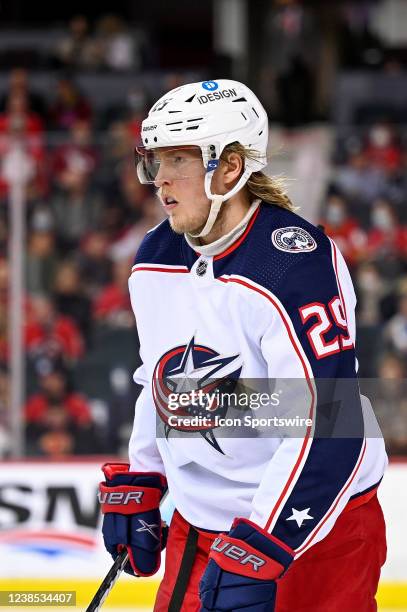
[(108, 581), (112, 575)]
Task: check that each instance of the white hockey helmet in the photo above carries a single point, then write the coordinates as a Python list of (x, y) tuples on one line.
[(210, 115)]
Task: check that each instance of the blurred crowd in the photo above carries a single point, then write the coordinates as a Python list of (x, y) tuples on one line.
[(305, 45), (106, 42), (111, 45), (365, 212), (86, 215)]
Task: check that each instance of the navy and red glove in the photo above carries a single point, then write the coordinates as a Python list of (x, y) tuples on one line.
[(130, 504), (242, 570)]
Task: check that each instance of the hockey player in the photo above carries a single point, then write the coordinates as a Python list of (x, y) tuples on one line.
[(236, 286)]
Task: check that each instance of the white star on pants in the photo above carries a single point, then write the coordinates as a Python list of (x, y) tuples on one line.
[(299, 516)]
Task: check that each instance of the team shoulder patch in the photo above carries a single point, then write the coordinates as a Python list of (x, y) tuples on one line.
[(293, 240)]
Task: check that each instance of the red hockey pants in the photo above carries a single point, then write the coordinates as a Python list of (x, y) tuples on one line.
[(338, 574)]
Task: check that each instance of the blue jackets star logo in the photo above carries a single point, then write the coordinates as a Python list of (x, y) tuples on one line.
[(194, 369)]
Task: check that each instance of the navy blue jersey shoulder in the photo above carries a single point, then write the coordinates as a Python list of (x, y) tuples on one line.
[(161, 245), (292, 259), (267, 259)]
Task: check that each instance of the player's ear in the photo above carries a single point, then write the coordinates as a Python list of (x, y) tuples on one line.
[(233, 168), (228, 173)]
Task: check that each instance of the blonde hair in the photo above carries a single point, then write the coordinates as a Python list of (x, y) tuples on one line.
[(267, 188)]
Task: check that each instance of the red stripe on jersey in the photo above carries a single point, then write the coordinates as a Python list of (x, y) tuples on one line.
[(171, 270), (239, 241), (304, 365)]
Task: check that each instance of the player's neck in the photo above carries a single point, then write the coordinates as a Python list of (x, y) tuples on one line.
[(231, 214)]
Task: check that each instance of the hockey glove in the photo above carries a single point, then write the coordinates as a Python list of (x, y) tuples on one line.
[(242, 569), (130, 504)]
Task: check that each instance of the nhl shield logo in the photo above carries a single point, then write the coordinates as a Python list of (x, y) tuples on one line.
[(293, 240), (202, 267)]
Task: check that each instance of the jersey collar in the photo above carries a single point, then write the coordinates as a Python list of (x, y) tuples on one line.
[(228, 243)]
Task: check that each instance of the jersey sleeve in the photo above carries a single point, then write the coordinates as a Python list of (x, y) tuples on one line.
[(144, 455), (310, 346)]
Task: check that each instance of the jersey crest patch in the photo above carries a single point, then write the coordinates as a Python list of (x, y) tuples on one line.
[(293, 240), (195, 372)]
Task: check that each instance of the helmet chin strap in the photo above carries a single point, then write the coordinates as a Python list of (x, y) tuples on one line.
[(217, 200)]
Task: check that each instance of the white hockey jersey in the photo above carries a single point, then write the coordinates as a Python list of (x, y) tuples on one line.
[(277, 304)]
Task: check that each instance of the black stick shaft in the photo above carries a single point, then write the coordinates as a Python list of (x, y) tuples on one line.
[(108, 581)]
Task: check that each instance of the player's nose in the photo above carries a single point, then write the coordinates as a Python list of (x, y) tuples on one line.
[(161, 179)]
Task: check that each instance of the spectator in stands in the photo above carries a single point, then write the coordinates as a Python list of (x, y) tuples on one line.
[(95, 264), (78, 155), (118, 47), (18, 84), (77, 208), (78, 49), (70, 105), (124, 206), (69, 297), (51, 335), (396, 188), (358, 45), (20, 127), (133, 193), (119, 145), (42, 257), (386, 235), (18, 115), (126, 245), (54, 389), (291, 49), (19, 122), (390, 402), (117, 151), (371, 289), (4, 308), (55, 438), (112, 307), (359, 182), (344, 229), (59, 421), (382, 151)]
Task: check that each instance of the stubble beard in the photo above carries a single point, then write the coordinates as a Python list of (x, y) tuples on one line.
[(186, 226)]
